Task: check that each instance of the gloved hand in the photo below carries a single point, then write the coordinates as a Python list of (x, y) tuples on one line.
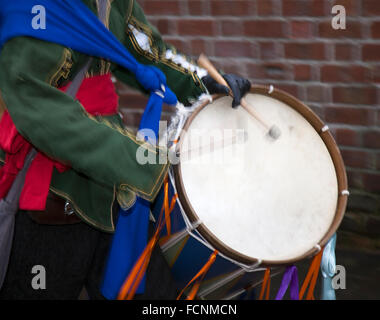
[(239, 87)]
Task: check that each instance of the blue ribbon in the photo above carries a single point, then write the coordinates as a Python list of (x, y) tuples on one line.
[(130, 236), (328, 269), (73, 25), (128, 243)]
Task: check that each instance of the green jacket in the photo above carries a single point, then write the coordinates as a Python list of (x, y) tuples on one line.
[(99, 150)]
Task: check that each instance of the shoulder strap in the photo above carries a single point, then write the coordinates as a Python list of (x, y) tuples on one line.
[(77, 81)]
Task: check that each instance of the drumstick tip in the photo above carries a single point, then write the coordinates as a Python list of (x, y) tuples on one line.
[(274, 132)]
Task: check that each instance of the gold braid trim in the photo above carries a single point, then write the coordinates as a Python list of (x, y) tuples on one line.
[(63, 68), (154, 55), (104, 65), (84, 216), (126, 199), (153, 193)]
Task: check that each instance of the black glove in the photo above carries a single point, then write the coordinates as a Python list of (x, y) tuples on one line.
[(239, 87)]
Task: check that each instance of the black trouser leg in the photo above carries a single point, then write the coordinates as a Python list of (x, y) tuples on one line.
[(66, 252)]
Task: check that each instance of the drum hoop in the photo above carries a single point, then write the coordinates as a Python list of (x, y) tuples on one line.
[(335, 155)]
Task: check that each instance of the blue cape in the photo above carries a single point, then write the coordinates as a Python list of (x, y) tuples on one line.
[(73, 25)]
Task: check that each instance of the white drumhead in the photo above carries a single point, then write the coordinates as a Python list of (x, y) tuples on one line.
[(267, 199)]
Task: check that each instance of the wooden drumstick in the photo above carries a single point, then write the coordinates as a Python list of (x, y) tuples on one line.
[(205, 63)]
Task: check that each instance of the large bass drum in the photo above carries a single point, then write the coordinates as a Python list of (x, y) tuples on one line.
[(259, 201)]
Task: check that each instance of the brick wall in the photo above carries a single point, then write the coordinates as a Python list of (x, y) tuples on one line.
[(291, 44)]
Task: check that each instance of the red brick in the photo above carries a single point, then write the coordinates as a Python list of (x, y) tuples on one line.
[(318, 110), (302, 72), (301, 29), (199, 46), (133, 101), (355, 95), (162, 25), (317, 94), (195, 27), (308, 8), (370, 7), (180, 44), (290, 88), (334, 73), (375, 30), (346, 51), (371, 52), (305, 51), (355, 179), (196, 7), (357, 159), (278, 71), (346, 115), (371, 182), (353, 30), (265, 7), (375, 73), (265, 29), (231, 8), (352, 6), (347, 137), (371, 139), (232, 28), (230, 66), (155, 7), (233, 49), (255, 71), (275, 71), (270, 50), (373, 225)]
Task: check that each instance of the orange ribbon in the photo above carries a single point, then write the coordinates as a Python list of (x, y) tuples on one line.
[(168, 209), (130, 285), (311, 277), (199, 278), (133, 280), (265, 285)]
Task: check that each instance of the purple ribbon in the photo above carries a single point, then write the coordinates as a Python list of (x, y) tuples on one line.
[(290, 278)]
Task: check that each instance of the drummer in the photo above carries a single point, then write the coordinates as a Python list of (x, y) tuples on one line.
[(72, 251)]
